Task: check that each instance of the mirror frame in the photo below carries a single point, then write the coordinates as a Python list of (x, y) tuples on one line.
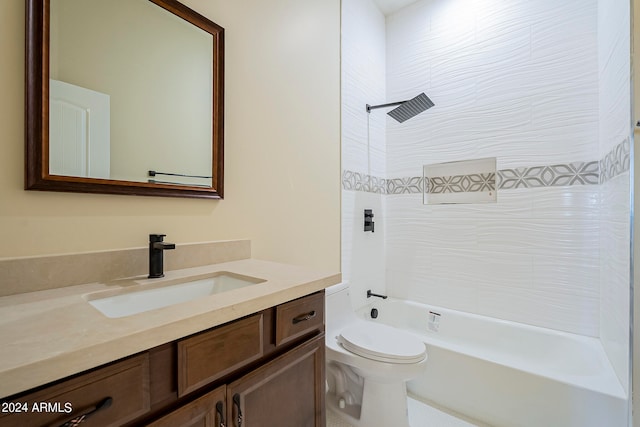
[(37, 175)]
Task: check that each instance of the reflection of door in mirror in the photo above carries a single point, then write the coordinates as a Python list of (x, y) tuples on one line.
[(78, 131)]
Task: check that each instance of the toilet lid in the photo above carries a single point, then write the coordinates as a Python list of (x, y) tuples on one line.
[(383, 343)]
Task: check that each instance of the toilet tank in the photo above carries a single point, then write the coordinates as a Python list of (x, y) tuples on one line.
[(338, 309)]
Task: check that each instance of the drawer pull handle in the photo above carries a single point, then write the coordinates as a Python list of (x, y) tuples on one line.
[(79, 419), (303, 317), (236, 403), (220, 411)]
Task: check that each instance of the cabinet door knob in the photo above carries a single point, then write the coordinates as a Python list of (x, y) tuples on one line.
[(236, 403), (303, 317), (220, 411)]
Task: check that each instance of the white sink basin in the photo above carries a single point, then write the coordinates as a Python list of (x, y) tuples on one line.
[(151, 296)]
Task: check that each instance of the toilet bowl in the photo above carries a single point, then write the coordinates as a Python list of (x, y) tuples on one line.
[(368, 365)]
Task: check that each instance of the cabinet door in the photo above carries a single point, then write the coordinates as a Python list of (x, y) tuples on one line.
[(286, 392), (106, 397), (205, 411)]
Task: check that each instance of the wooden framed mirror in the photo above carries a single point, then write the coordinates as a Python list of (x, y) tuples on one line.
[(123, 97)]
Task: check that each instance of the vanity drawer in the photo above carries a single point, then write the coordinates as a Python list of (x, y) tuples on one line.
[(125, 383), (210, 355), (299, 317)]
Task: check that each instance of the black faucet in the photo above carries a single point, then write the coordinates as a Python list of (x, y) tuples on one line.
[(371, 294), (156, 251)]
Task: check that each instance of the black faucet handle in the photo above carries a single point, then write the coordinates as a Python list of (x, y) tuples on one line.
[(157, 246)]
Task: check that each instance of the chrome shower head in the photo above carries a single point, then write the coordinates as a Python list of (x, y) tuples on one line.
[(406, 109)]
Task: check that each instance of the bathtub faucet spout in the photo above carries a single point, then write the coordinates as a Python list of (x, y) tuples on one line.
[(371, 294)]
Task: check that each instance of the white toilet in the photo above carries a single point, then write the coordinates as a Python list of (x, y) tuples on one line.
[(368, 365)]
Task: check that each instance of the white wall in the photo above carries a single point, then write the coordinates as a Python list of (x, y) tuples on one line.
[(512, 80), (363, 146), (615, 127)]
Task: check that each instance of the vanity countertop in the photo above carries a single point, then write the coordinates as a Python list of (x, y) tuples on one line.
[(48, 335)]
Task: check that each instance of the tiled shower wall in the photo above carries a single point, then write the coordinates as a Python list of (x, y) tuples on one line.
[(615, 120), (517, 81), (363, 145), (540, 86)]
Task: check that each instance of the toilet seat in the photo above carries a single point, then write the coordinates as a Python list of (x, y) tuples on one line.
[(382, 343)]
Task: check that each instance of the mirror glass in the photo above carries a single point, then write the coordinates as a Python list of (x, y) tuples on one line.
[(130, 92), (134, 97)]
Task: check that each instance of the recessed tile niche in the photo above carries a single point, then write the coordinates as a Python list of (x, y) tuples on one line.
[(466, 181)]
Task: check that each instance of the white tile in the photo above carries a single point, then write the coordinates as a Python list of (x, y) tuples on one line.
[(494, 15), (547, 309), (495, 99), (363, 82), (363, 253), (377, 163), (578, 201), (566, 274), (540, 237), (566, 29), (614, 72), (614, 274), (615, 199), (436, 288), (355, 156)]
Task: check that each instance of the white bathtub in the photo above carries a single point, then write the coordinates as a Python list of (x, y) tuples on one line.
[(508, 374)]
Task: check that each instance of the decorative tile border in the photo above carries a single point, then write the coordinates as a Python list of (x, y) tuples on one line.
[(579, 173), (405, 185), (357, 181), (473, 183), (614, 163)]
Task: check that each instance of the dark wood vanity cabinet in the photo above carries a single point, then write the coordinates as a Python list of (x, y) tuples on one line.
[(264, 370), (287, 391)]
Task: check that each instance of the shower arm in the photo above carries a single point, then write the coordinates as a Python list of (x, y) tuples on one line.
[(391, 104), (406, 109)]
